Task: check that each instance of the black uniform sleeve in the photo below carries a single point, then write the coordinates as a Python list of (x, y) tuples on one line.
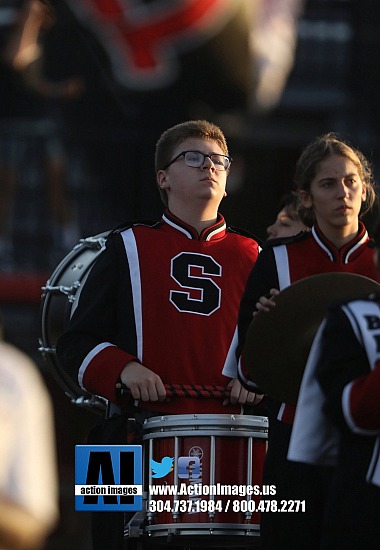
[(262, 278), (97, 318), (342, 359)]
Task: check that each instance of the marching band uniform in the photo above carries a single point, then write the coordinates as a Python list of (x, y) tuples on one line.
[(122, 315), (202, 278), (339, 406), (278, 266), (165, 296)]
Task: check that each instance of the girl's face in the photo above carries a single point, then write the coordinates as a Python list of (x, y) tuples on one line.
[(336, 195)]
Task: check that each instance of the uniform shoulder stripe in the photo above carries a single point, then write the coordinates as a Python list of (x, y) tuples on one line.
[(245, 233), (127, 225)]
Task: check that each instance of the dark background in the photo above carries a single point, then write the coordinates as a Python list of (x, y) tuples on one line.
[(109, 135)]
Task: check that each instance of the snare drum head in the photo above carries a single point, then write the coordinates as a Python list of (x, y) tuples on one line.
[(59, 300)]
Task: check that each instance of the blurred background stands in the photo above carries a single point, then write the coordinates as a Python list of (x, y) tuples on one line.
[(107, 138)]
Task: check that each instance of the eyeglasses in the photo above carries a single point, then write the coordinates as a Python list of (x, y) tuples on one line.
[(196, 159)]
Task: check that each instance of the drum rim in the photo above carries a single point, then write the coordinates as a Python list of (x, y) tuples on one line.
[(206, 526), (83, 244), (213, 420), (76, 394)]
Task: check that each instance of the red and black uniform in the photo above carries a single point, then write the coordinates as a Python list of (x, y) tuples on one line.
[(164, 296), (278, 266), (348, 371)]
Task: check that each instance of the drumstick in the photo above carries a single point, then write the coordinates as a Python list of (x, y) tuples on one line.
[(188, 390)]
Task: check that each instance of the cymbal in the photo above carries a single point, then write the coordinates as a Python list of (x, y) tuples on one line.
[(278, 343)]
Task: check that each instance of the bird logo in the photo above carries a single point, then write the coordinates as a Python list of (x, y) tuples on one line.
[(161, 469)]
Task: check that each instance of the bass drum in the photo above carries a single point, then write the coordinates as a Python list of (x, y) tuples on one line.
[(59, 300)]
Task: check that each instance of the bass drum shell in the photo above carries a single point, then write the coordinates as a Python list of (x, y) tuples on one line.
[(59, 300)]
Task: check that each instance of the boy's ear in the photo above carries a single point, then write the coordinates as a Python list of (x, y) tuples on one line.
[(162, 179)]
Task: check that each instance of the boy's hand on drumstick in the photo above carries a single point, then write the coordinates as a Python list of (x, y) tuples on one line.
[(266, 303), (145, 385), (240, 395)]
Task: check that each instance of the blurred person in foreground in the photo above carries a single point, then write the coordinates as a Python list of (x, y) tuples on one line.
[(28, 476)]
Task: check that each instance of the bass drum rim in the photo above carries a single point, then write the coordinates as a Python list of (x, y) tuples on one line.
[(59, 299)]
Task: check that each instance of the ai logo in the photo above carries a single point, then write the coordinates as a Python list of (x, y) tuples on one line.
[(108, 478)]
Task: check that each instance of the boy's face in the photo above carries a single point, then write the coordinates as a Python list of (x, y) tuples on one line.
[(187, 186)]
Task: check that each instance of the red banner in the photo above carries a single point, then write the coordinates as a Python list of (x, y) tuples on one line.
[(144, 40)]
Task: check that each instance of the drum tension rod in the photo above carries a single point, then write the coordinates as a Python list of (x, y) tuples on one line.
[(93, 242), (69, 291)]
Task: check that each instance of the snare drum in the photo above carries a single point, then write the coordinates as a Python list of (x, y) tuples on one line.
[(217, 463), (59, 300)]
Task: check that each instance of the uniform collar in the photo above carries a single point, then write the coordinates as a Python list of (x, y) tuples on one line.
[(345, 252), (215, 231)]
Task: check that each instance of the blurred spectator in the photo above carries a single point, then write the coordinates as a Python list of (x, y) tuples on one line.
[(33, 112), (28, 477)]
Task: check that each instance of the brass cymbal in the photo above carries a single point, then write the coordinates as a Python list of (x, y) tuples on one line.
[(278, 343)]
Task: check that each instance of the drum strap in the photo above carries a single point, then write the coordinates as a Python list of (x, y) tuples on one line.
[(189, 390)]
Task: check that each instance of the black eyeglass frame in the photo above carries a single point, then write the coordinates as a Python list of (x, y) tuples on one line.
[(183, 153)]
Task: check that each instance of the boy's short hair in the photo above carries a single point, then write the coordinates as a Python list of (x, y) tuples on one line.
[(177, 134)]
